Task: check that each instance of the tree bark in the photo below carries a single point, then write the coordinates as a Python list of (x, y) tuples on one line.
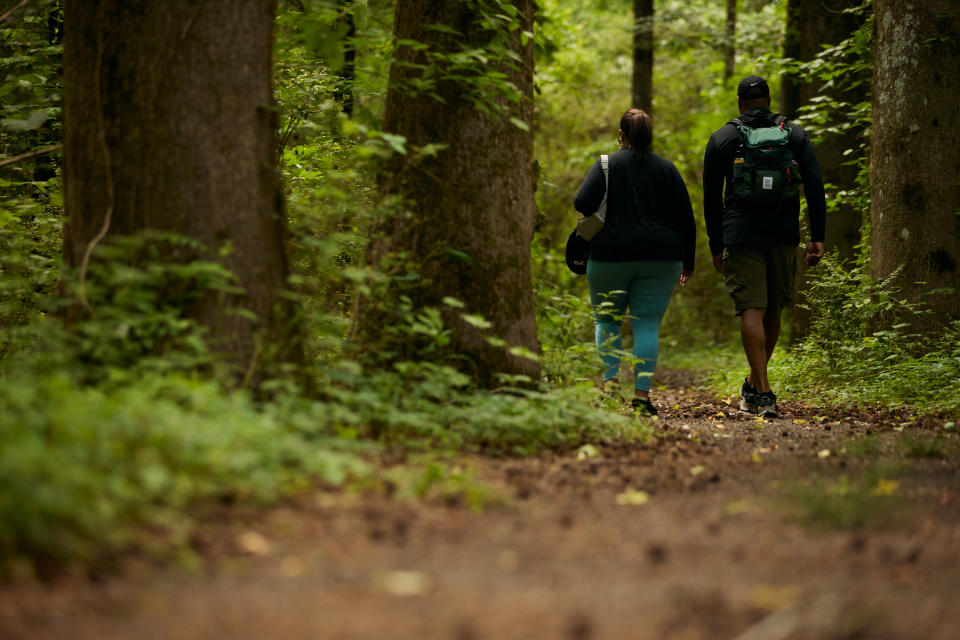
[(810, 25), (169, 126), (730, 43), (471, 208), (642, 93), (914, 156)]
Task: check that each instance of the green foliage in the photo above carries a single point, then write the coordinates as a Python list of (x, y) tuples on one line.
[(861, 351), (84, 470), (440, 480), (30, 72)]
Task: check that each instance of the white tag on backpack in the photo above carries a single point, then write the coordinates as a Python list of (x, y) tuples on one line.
[(767, 182)]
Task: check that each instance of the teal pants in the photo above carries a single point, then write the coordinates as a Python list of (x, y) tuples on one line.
[(643, 287)]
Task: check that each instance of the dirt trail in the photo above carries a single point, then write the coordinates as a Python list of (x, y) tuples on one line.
[(694, 537)]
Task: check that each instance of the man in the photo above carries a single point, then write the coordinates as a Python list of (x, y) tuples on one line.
[(754, 241)]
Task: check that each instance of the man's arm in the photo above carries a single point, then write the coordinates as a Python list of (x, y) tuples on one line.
[(816, 200), (713, 176)]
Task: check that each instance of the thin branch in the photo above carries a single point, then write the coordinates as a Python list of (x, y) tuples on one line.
[(4, 17), (189, 25), (30, 154)]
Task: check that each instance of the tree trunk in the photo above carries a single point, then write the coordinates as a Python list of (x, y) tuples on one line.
[(642, 94), (730, 42), (914, 156), (471, 207), (169, 126), (347, 73), (810, 25)]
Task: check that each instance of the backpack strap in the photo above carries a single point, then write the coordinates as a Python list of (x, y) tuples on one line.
[(738, 122)]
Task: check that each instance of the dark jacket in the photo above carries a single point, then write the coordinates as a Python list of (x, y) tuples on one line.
[(649, 216), (730, 221)]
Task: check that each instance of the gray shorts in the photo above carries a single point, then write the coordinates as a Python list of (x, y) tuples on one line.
[(760, 277)]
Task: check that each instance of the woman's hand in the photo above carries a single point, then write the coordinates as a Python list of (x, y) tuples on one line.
[(684, 276)]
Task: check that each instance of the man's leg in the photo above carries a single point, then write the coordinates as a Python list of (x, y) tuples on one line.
[(753, 335), (759, 332), (771, 331)]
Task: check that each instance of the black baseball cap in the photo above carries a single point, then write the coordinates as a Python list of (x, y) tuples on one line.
[(753, 87)]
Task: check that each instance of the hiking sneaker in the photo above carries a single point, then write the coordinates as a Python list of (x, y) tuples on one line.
[(767, 405), (645, 405), (748, 397)]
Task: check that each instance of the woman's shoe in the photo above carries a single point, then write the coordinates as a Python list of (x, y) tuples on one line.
[(646, 405)]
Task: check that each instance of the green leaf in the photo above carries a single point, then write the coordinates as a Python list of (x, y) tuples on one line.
[(33, 121), (476, 320), (520, 124), (460, 256)]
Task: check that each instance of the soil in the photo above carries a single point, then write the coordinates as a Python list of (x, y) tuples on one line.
[(721, 528)]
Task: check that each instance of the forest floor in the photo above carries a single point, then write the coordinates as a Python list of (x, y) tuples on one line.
[(819, 525)]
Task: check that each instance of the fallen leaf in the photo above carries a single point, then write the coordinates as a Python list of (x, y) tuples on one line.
[(737, 506), (404, 583), (632, 498), (253, 543), (770, 598), (823, 453), (697, 470), (799, 421), (885, 487), (755, 456), (587, 451)]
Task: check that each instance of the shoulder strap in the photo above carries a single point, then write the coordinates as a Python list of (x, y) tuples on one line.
[(738, 122), (602, 210)]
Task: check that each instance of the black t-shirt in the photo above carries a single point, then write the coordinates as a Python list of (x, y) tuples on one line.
[(649, 216), (730, 221)]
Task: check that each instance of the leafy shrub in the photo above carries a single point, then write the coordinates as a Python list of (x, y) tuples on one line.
[(861, 351), (83, 470)]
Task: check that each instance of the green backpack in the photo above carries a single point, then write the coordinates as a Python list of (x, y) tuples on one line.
[(764, 171)]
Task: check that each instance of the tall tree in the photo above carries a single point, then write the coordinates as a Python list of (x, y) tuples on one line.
[(730, 42), (914, 156), (642, 93), (471, 206), (347, 73), (169, 126), (810, 27)]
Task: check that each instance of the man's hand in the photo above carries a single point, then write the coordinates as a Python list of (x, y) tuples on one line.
[(718, 262), (813, 254), (684, 276)]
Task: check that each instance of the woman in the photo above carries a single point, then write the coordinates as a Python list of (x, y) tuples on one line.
[(647, 243)]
